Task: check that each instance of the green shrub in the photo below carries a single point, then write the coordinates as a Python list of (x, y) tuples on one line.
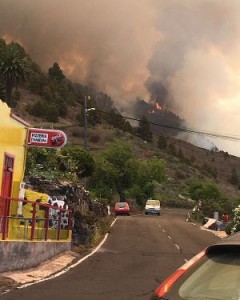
[(177, 203), (52, 114), (236, 220)]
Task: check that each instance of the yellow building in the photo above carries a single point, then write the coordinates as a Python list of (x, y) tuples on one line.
[(13, 150), (16, 217)]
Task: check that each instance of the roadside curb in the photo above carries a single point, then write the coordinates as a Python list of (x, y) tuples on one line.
[(44, 270), (219, 233)]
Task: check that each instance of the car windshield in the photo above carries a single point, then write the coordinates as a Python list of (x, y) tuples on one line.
[(217, 278), (121, 204), (153, 202)]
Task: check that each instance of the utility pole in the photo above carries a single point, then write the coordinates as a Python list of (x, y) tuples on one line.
[(85, 128), (86, 110), (85, 124)]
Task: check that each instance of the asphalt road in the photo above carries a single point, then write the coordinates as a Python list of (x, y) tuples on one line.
[(139, 253)]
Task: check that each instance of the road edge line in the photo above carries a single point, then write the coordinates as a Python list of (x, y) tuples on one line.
[(71, 266)]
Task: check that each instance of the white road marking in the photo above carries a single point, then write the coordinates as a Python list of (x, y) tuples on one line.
[(169, 237), (177, 246), (113, 222)]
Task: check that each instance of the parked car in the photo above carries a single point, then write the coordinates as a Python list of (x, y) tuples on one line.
[(214, 273), (152, 207), (122, 208)]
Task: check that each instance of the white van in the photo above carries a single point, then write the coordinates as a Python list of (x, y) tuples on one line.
[(152, 207)]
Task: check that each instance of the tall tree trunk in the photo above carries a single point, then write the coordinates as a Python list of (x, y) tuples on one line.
[(121, 193), (9, 88)]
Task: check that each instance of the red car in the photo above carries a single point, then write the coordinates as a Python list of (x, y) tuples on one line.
[(122, 208), (213, 274)]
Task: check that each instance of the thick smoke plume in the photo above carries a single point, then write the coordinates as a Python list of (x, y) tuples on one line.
[(182, 53), (197, 62), (105, 43)]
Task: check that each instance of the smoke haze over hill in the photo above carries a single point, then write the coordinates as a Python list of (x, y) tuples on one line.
[(182, 53)]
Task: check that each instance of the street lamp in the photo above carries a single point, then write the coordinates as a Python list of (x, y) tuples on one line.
[(86, 110)]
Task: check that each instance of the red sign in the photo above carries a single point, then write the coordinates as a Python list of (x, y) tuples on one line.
[(48, 138)]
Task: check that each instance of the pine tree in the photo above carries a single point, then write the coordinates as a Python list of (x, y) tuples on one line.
[(144, 130), (55, 72), (234, 179)]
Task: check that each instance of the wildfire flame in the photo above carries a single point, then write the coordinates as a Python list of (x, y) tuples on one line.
[(156, 106)]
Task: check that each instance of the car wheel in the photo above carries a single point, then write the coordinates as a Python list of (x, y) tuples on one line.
[(146, 213)]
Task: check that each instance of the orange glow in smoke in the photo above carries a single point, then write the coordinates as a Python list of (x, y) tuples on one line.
[(158, 106)]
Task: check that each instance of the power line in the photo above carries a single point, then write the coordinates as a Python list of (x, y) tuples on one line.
[(184, 129)]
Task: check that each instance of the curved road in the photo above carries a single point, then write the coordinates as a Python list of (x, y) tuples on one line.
[(139, 253)]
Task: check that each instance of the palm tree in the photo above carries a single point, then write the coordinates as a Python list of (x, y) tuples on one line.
[(2, 45), (15, 67)]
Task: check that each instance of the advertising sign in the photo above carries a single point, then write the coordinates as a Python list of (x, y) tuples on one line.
[(47, 138)]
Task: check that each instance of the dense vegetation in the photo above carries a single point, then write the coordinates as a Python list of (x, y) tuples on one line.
[(113, 172)]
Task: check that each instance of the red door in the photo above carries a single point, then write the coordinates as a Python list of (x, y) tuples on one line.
[(6, 184)]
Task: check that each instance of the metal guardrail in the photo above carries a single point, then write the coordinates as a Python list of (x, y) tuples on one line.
[(44, 221)]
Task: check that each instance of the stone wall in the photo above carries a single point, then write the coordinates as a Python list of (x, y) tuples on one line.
[(87, 212)]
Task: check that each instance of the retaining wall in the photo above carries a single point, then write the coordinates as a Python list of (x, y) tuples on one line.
[(23, 255)]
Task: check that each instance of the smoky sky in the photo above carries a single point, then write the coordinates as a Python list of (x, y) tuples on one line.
[(182, 53)]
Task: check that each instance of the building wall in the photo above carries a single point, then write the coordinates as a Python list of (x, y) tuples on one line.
[(13, 135)]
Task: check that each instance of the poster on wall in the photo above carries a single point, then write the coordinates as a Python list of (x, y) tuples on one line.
[(47, 138)]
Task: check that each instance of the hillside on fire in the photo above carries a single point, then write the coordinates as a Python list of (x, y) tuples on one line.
[(92, 122)]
